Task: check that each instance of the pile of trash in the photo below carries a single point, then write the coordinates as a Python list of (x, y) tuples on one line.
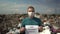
[(8, 22)]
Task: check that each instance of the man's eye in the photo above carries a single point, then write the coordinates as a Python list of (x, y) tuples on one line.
[(31, 11)]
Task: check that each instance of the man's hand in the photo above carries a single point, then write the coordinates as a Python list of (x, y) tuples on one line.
[(40, 28), (22, 29)]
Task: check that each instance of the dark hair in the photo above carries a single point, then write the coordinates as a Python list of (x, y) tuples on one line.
[(31, 7)]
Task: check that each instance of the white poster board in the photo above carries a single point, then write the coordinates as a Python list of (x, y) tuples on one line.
[(58, 33), (31, 29)]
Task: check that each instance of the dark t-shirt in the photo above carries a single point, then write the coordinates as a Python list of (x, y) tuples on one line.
[(33, 21)]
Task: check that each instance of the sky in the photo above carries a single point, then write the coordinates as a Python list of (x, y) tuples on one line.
[(20, 6)]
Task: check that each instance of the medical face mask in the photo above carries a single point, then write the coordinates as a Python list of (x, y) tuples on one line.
[(30, 14)]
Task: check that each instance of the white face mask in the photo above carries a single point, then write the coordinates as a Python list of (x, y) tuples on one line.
[(30, 14)]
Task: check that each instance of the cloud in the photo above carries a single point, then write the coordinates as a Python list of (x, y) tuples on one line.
[(8, 7)]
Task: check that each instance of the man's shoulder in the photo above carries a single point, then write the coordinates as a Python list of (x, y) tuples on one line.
[(37, 18), (25, 18)]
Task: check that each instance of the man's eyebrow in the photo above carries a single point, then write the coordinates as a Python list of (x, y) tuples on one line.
[(30, 11)]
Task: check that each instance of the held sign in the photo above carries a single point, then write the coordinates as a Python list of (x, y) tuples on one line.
[(31, 29)]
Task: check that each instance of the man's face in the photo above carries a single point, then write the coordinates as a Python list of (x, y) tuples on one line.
[(30, 12)]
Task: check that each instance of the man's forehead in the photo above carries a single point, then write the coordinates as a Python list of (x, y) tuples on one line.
[(30, 9)]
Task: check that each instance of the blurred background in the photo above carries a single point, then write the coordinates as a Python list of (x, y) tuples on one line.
[(12, 12)]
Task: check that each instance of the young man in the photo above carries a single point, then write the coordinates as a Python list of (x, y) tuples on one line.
[(31, 20)]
